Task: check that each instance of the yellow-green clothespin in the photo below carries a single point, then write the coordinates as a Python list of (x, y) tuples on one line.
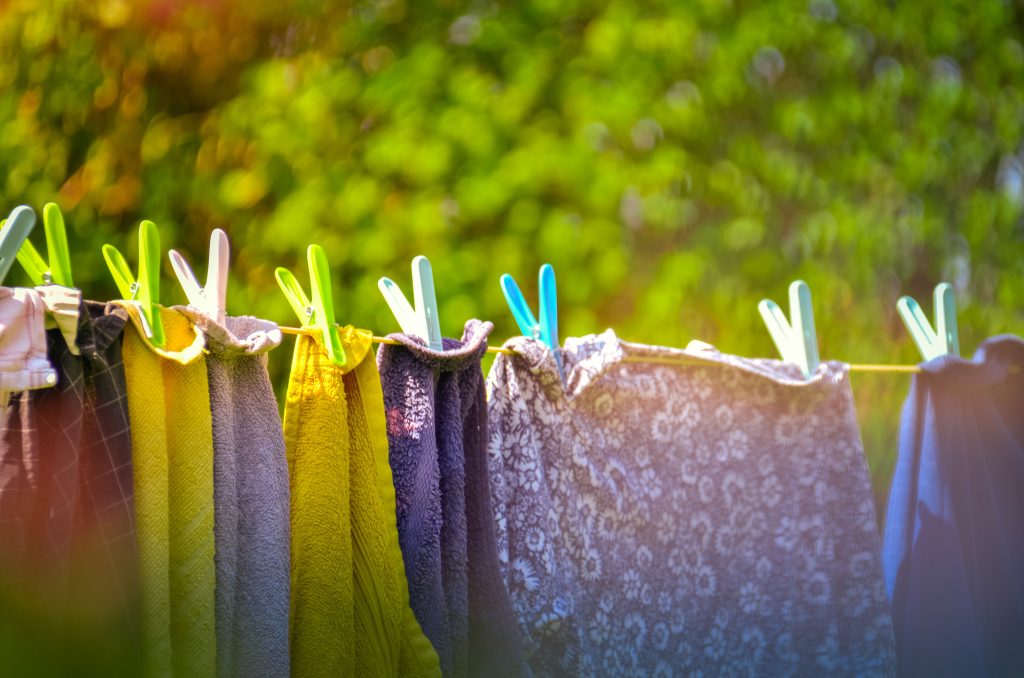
[(144, 292), (317, 314), (58, 270), (14, 231)]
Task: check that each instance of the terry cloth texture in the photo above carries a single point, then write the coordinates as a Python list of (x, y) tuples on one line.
[(250, 491), (350, 613), (23, 363), (437, 428), (954, 534), (172, 456), (658, 518), (66, 514)]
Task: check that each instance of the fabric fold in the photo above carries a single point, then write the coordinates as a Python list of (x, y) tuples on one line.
[(172, 457), (63, 305), (711, 515), (23, 362), (954, 531), (437, 427), (350, 613), (250, 497)]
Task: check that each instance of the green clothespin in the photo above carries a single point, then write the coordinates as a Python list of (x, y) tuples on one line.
[(13, 232), (317, 314), (797, 342), (146, 291), (943, 340), (58, 270)]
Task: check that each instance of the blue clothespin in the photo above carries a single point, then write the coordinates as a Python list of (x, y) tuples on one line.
[(421, 321), (547, 329), (797, 342), (13, 233), (943, 340)]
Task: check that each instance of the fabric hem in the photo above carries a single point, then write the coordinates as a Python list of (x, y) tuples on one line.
[(581, 372), (456, 354), (184, 356)]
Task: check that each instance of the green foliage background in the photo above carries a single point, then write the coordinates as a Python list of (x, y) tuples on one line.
[(675, 161)]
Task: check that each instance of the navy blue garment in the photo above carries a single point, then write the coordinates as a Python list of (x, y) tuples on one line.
[(953, 549)]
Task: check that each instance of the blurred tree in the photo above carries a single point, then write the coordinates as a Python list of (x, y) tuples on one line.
[(675, 162)]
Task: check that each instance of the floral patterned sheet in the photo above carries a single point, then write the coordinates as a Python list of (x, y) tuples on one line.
[(666, 519)]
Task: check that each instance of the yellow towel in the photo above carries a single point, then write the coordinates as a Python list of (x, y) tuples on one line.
[(350, 613), (172, 461)]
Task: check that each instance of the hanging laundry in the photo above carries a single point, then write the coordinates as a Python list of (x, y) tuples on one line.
[(954, 533), (67, 493), (172, 458), (250, 490), (23, 363), (63, 307), (38, 480), (350, 613), (658, 519), (437, 428)]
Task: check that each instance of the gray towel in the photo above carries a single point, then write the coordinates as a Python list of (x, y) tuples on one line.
[(437, 429), (250, 499)]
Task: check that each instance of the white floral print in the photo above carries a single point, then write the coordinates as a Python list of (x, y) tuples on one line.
[(708, 519)]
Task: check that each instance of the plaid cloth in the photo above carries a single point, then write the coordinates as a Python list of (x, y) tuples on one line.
[(66, 507)]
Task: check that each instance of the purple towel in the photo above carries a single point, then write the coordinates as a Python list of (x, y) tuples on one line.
[(437, 435), (954, 530)]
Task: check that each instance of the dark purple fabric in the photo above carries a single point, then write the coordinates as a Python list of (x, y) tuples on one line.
[(437, 439), (954, 535)]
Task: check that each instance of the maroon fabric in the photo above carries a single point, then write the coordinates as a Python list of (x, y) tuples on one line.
[(67, 538)]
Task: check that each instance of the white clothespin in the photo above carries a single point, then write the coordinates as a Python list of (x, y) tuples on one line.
[(210, 299), (421, 321), (797, 342)]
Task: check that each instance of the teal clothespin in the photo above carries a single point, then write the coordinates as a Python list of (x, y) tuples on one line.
[(318, 313), (144, 292), (58, 270), (13, 232), (797, 342), (546, 330), (943, 340), (421, 321)]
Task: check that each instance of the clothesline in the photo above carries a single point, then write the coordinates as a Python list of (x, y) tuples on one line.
[(681, 360)]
